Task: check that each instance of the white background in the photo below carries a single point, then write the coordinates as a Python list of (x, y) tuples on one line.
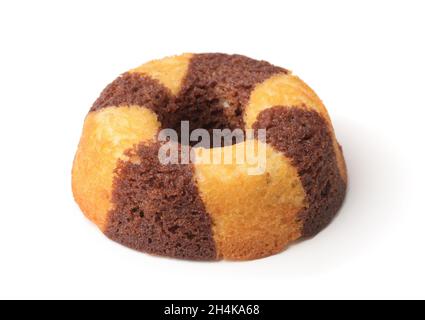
[(364, 58)]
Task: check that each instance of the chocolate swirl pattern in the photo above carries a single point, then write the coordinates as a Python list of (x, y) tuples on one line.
[(204, 211)]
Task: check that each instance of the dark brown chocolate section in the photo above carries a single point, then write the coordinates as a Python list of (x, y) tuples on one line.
[(217, 88), (304, 137), (136, 89), (158, 209)]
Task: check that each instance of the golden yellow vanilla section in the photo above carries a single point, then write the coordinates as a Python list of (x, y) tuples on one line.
[(289, 91), (169, 71), (254, 215), (107, 134)]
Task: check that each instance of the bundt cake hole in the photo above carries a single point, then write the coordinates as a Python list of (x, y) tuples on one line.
[(205, 106), (217, 120)]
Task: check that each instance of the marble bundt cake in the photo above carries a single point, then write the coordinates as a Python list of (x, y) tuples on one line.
[(202, 211)]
